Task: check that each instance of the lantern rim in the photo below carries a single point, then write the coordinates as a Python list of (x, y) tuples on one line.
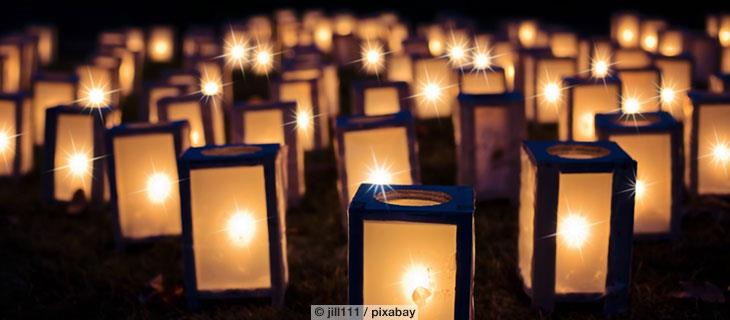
[(413, 197)]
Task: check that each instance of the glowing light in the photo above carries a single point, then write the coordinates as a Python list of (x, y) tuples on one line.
[(78, 164), (304, 119), (551, 91), (724, 37), (668, 95), (379, 175), (417, 284), (159, 187), (160, 47), (627, 35), (640, 189), (457, 54), (432, 92), (481, 60), (195, 138), (435, 47), (600, 68), (372, 58), (263, 59), (631, 106), (4, 141), (241, 227), (587, 124), (574, 230), (211, 88), (527, 33), (650, 42), (721, 153)]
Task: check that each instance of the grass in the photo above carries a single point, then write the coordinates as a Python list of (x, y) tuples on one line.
[(52, 264)]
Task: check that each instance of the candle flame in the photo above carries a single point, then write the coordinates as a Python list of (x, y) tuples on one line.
[(416, 283), (640, 187), (631, 105), (551, 92), (667, 95), (574, 230), (432, 92), (600, 68), (372, 58), (241, 227), (304, 119), (4, 141), (263, 61), (78, 164), (721, 153), (159, 187)]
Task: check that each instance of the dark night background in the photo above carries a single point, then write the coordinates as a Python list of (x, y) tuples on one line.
[(53, 265)]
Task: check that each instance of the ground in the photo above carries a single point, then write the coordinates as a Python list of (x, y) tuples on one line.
[(53, 264)]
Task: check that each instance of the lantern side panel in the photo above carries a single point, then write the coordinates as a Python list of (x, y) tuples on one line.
[(583, 229), (483, 82), (72, 161), (549, 72), (435, 71), (493, 160), (264, 126), (631, 58), (148, 197), (191, 112), (301, 93), (230, 233), (380, 101), (713, 149), (587, 102), (8, 140), (420, 270), (47, 95), (526, 218), (653, 186), (643, 86), (377, 156), (676, 75)]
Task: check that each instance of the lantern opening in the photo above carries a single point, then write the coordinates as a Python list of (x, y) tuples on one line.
[(413, 198), (578, 151), (241, 227)]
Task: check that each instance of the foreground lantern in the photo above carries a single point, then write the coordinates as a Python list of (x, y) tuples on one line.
[(16, 135), (374, 98), (575, 222), (195, 110), (143, 177), (380, 150), (640, 90), (413, 245), (74, 154), (161, 44), (154, 92), (709, 153), (234, 226), (273, 123), (50, 90), (655, 142), (312, 120), (488, 130), (586, 98)]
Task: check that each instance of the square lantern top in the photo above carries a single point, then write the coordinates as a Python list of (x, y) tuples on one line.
[(353, 123), (575, 157), (650, 122), (444, 203), (231, 154)]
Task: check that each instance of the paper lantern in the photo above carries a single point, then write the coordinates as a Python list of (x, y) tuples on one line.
[(50, 90), (640, 90), (234, 226), (585, 98), (709, 140), (373, 98), (19, 52), (542, 77), (676, 80), (528, 33), (262, 123), (631, 58), (74, 153), (143, 177), (672, 42), (127, 67), (575, 223), (135, 40), (564, 44), (655, 142), (719, 82), (506, 57), (47, 42), (153, 93), (98, 85), (161, 44), (485, 80), (650, 30), (413, 245), (193, 108), (433, 87), (312, 121), (380, 150), (16, 135), (323, 35), (328, 82), (399, 67), (625, 28), (488, 130)]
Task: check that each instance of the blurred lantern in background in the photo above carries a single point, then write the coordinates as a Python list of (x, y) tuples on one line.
[(19, 62), (488, 129), (640, 90), (381, 150), (655, 142), (625, 29), (586, 98), (262, 123), (143, 180), (153, 93), (74, 162), (709, 140), (673, 42), (312, 120), (50, 90), (16, 135), (234, 226), (161, 44), (373, 98), (575, 222), (195, 110), (543, 88), (433, 88), (432, 265), (47, 42), (650, 30), (676, 80)]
